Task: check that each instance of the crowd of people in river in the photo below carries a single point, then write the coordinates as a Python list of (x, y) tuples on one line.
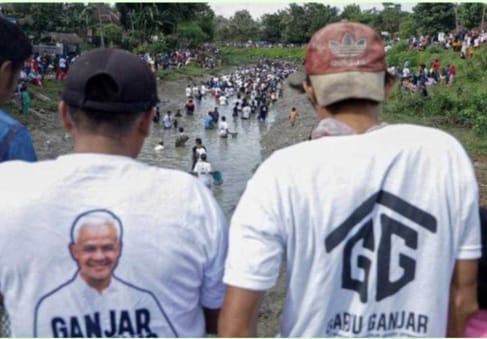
[(246, 93)]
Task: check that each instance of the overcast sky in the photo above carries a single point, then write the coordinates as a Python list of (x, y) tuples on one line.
[(257, 9)]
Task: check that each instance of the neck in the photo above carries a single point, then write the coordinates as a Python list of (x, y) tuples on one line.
[(359, 119), (106, 145), (99, 286)]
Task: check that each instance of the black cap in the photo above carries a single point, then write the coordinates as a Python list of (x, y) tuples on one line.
[(132, 79)]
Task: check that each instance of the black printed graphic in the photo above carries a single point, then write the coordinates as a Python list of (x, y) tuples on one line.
[(379, 250), (95, 302)]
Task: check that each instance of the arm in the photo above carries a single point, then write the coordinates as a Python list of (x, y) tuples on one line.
[(211, 319), (239, 314), (463, 296)]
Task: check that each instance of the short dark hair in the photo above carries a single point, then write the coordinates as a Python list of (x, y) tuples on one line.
[(102, 88), (336, 107), (14, 44)]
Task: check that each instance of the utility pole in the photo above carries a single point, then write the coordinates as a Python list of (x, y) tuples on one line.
[(483, 17), (456, 17), (101, 27)]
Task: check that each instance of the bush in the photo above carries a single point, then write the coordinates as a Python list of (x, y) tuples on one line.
[(434, 49), (238, 56)]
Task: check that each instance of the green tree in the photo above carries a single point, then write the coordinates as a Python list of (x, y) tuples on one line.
[(113, 34), (407, 28), (205, 19), (38, 18), (163, 18), (470, 14), (272, 27), (433, 17), (296, 25), (222, 29), (351, 12), (190, 35), (389, 19), (318, 15), (243, 27)]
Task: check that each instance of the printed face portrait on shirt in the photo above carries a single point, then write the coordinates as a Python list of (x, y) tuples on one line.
[(95, 301), (96, 249)]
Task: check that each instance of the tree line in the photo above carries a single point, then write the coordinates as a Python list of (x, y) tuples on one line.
[(162, 26)]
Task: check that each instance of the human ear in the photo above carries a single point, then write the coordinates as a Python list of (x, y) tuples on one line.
[(389, 85), (308, 89), (64, 117), (7, 78), (146, 122)]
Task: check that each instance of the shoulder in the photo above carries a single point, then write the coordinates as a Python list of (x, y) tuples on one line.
[(18, 176), (7, 120), (414, 135)]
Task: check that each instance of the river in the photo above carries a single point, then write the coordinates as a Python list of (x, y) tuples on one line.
[(235, 157)]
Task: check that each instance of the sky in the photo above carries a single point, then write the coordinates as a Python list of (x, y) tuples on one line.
[(257, 9)]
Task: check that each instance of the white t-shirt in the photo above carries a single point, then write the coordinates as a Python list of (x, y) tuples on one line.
[(167, 121), (199, 151), (223, 128), (173, 246), (370, 226), (203, 169), (246, 112), (188, 91)]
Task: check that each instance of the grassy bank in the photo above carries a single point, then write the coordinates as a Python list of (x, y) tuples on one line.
[(241, 56), (186, 73)]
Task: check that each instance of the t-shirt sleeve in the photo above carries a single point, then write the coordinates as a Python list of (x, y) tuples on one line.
[(212, 229), (257, 239), (468, 220)]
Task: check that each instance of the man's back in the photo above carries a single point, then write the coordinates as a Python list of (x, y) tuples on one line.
[(371, 224), (173, 243)]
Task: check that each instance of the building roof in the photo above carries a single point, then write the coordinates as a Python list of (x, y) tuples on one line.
[(65, 38)]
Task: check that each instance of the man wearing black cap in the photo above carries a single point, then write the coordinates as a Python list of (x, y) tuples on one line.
[(15, 48), (378, 224), (174, 240)]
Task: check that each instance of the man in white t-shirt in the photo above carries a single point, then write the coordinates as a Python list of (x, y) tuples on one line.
[(188, 91), (378, 224), (203, 170), (223, 127), (246, 110), (115, 247)]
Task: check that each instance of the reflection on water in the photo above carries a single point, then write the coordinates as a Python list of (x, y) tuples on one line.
[(235, 157)]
